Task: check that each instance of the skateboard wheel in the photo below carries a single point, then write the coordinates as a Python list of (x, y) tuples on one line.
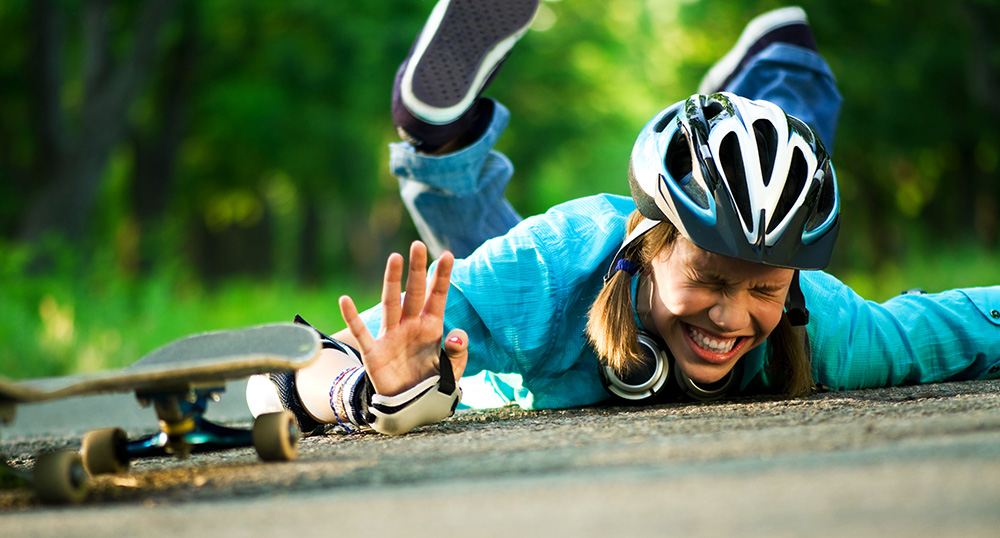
[(59, 477), (276, 436), (104, 451)]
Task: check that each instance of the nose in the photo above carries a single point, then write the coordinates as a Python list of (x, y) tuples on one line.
[(730, 312)]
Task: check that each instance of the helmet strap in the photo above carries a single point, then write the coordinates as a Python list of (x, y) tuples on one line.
[(795, 303)]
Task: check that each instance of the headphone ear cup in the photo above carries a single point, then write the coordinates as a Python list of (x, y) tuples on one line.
[(644, 381), (711, 391)]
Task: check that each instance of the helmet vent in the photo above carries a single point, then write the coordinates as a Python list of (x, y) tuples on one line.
[(804, 131), (664, 121), (678, 162), (797, 171), (731, 161), (712, 109), (678, 158), (826, 202), (767, 147), (791, 190)]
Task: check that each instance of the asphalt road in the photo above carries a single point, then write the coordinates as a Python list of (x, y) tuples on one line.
[(909, 461)]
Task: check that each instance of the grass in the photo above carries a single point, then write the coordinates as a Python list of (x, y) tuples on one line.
[(930, 269), (89, 315)]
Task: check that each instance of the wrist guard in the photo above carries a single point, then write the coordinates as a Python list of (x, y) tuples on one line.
[(431, 400), (428, 402)]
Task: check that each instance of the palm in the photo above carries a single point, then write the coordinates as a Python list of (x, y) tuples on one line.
[(409, 343)]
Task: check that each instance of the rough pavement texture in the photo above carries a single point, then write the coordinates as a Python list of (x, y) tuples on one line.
[(907, 461)]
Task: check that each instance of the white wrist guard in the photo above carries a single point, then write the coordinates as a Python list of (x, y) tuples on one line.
[(428, 402)]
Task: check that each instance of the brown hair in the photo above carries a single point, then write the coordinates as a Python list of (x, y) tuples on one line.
[(612, 331)]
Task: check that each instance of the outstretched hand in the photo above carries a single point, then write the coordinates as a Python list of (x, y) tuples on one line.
[(409, 343)]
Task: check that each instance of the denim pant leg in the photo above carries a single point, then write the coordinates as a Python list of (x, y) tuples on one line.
[(457, 200), (796, 79)]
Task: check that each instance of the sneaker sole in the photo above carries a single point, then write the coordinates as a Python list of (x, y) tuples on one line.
[(755, 29), (441, 81)]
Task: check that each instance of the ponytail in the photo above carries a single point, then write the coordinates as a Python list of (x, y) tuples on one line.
[(611, 325)]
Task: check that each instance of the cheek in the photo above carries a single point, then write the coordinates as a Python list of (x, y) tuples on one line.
[(768, 318)]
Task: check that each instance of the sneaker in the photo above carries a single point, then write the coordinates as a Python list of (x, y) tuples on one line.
[(455, 57), (785, 25)]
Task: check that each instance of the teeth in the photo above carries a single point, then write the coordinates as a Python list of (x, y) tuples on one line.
[(709, 344)]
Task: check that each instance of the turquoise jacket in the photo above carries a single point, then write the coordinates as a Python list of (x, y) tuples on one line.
[(523, 296), (523, 299)]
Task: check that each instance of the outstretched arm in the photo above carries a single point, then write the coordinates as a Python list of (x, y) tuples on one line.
[(408, 345), (909, 339)]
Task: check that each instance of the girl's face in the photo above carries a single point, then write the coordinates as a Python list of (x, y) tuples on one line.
[(710, 309)]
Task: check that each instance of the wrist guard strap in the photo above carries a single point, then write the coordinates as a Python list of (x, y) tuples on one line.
[(431, 400), (424, 404)]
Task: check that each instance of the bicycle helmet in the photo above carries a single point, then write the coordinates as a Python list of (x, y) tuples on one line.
[(739, 178)]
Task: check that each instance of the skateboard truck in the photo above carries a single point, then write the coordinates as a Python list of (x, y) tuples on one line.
[(183, 429)]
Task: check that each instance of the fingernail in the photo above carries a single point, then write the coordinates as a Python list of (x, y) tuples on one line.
[(455, 340)]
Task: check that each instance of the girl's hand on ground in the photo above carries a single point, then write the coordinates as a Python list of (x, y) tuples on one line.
[(408, 345)]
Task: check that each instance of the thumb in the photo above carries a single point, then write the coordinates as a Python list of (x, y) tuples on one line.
[(456, 346)]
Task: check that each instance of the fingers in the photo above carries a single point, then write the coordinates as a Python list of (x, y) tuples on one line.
[(357, 327), (391, 288), (456, 346), (416, 280), (438, 297)]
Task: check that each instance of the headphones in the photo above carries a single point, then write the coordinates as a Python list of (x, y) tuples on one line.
[(652, 381)]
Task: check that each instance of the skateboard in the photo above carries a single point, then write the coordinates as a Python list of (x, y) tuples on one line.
[(177, 380)]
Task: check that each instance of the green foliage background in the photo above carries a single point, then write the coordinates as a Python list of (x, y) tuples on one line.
[(250, 181)]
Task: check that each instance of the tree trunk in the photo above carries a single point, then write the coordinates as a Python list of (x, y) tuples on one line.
[(984, 87), (156, 153), (72, 163)]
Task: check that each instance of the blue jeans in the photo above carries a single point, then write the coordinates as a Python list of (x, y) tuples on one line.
[(457, 200)]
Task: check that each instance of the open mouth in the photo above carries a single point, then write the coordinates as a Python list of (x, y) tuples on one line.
[(711, 347)]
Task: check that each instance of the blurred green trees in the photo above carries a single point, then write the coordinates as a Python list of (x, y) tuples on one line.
[(249, 136), (223, 138)]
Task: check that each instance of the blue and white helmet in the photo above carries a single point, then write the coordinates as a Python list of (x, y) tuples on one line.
[(738, 178)]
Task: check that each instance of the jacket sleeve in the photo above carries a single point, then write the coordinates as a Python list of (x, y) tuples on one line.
[(909, 339), (530, 289), (523, 299)]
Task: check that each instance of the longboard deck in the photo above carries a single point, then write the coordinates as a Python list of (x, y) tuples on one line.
[(177, 379), (202, 358)]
